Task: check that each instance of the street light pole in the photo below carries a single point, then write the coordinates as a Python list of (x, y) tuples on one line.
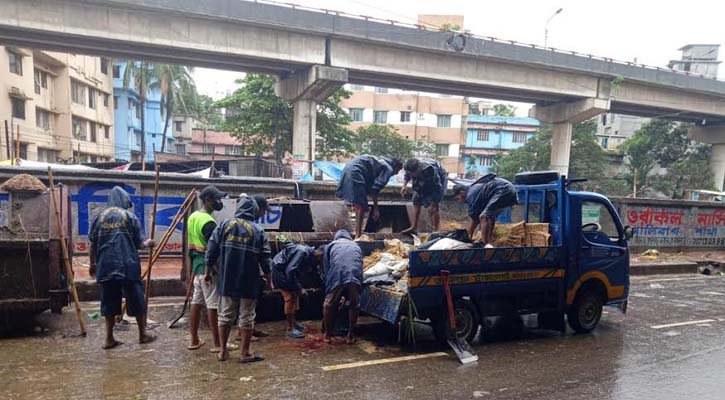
[(546, 29)]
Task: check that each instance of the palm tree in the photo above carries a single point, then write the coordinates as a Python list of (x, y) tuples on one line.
[(141, 74), (177, 88)]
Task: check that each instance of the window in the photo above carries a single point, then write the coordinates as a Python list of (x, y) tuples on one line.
[(604, 119), (115, 102), (519, 137), (207, 148), (356, 114), (42, 119), (380, 117), (92, 98), (78, 92), (104, 66), (181, 149), (138, 138), (138, 110), (604, 142), (16, 63), (93, 131), (47, 155), (444, 121), (23, 151), (405, 116), (41, 80), (482, 136), (116, 71), (18, 107), (596, 213), (442, 150), (486, 161), (233, 150), (357, 88), (80, 128), (381, 90), (107, 132), (105, 99), (178, 126)]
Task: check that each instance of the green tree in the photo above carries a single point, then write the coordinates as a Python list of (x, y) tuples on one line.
[(207, 112), (257, 117), (587, 159), (384, 141), (177, 87), (335, 138), (504, 110), (139, 75), (641, 159)]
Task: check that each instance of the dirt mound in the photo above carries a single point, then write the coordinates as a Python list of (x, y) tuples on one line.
[(23, 183)]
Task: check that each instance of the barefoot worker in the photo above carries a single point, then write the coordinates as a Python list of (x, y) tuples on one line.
[(429, 185), (342, 268), (239, 248), (115, 238), (365, 176)]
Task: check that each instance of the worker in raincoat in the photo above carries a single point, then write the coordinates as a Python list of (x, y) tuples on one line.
[(115, 238), (342, 274), (430, 180), (287, 266), (365, 176), (238, 252), (486, 198)]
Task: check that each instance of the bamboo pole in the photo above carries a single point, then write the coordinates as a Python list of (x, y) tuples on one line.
[(66, 258), (17, 144), (153, 232)]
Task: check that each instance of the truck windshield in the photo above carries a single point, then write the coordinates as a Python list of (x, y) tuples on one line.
[(596, 217)]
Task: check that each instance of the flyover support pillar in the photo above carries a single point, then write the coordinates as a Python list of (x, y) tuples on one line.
[(563, 116), (714, 135), (305, 89)]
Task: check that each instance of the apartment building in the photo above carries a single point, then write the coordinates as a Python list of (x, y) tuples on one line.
[(61, 103), (431, 118), (209, 144), (490, 135)]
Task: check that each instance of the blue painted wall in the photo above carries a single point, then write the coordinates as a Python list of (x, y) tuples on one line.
[(127, 122)]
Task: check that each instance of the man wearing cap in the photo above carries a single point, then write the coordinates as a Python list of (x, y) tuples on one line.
[(486, 198), (200, 226), (429, 185)]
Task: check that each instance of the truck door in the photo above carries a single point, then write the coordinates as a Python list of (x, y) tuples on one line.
[(603, 250)]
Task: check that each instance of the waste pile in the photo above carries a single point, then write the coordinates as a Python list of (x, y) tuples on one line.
[(388, 266), (23, 183)]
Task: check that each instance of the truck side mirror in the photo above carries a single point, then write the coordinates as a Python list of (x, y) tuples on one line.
[(628, 232)]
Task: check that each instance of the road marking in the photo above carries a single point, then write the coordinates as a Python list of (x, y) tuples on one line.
[(673, 279), (702, 321), (157, 305), (382, 361), (713, 293)]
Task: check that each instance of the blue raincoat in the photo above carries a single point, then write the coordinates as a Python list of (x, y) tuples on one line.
[(239, 247), (288, 264), (489, 195), (430, 184), (362, 176), (116, 237), (342, 262)]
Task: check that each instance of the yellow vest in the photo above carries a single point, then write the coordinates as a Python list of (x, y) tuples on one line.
[(195, 224)]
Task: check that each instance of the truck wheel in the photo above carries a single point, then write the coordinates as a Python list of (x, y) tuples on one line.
[(467, 322), (586, 311)]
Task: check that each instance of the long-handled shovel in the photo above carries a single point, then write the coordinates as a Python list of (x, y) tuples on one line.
[(153, 231), (459, 345)]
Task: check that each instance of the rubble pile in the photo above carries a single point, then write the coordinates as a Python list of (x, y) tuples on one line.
[(388, 266)]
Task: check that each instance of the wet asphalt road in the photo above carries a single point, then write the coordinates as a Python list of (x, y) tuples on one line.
[(639, 356)]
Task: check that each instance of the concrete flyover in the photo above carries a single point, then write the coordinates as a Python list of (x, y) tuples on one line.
[(314, 52)]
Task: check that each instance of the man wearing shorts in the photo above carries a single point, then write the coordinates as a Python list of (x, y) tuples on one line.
[(342, 276), (236, 251), (115, 238), (430, 180), (287, 266), (486, 198), (365, 176), (200, 226)]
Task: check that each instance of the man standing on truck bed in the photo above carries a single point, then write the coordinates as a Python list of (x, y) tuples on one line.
[(363, 176), (115, 238), (237, 250), (429, 185), (342, 275), (200, 226), (486, 198)]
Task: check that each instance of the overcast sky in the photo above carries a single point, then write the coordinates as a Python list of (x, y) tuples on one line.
[(650, 31)]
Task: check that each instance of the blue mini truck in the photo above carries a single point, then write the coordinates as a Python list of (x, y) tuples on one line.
[(585, 267)]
